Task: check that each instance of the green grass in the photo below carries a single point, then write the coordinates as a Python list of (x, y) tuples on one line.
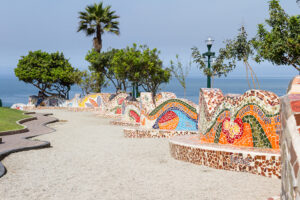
[(8, 118)]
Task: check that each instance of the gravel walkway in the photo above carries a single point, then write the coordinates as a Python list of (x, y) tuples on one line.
[(91, 159), (21, 141)]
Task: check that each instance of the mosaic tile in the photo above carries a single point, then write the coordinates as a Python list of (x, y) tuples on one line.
[(250, 120), (264, 162), (290, 141)]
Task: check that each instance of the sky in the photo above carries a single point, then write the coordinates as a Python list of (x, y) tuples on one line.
[(172, 26)]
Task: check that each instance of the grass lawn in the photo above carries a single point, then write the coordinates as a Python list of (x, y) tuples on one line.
[(8, 118)]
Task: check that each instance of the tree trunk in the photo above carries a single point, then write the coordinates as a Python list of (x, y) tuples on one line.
[(97, 41), (153, 97)]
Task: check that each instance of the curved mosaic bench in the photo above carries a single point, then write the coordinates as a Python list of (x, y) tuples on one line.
[(236, 132), (131, 111), (250, 120), (264, 162), (290, 141), (172, 114), (154, 133), (98, 100), (166, 117)]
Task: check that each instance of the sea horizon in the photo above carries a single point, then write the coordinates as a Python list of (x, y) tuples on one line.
[(18, 91)]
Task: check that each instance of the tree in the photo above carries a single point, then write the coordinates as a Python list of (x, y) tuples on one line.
[(102, 63), (51, 73), (240, 49), (221, 65), (281, 43), (90, 82), (141, 66), (127, 65), (180, 72), (152, 74), (95, 20)]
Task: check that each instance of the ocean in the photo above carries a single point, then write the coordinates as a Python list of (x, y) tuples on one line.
[(14, 91)]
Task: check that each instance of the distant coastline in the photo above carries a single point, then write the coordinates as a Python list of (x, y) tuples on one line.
[(14, 91)]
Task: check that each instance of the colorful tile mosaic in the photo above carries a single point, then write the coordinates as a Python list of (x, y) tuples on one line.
[(290, 142), (249, 120), (173, 114), (115, 104), (189, 148), (97, 100), (154, 133), (123, 123), (131, 111)]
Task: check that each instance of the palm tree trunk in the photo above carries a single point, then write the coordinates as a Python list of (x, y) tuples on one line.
[(98, 39)]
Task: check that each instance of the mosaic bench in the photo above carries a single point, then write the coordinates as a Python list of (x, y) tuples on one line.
[(154, 133), (189, 148), (124, 123)]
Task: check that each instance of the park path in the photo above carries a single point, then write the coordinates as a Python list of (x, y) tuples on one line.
[(90, 159), (21, 142)]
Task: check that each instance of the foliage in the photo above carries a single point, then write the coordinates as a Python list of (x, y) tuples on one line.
[(100, 63), (127, 64), (97, 19), (91, 82), (141, 66), (153, 74), (281, 43), (51, 73), (240, 49), (180, 72), (8, 118), (221, 66)]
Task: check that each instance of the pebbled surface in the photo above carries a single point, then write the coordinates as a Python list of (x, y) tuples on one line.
[(91, 159), (21, 142)]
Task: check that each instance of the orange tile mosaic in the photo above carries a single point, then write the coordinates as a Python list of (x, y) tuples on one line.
[(248, 120)]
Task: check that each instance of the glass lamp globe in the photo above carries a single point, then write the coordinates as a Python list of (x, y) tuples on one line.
[(209, 41)]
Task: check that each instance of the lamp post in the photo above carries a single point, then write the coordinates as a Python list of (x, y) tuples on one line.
[(135, 90), (209, 54)]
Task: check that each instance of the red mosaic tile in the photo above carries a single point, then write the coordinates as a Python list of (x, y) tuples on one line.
[(295, 105), (297, 118)]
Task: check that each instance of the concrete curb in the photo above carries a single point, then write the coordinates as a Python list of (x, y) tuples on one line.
[(20, 122), (42, 144)]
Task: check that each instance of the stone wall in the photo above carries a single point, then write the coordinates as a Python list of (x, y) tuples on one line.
[(248, 120), (290, 141)]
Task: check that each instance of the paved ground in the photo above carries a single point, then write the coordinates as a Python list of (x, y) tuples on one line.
[(19, 142), (91, 159)]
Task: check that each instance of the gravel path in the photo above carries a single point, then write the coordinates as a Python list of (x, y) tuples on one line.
[(21, 142), (91, 159)]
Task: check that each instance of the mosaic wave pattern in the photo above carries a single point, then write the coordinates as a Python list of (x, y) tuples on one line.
[(173, 114), (115, 104), (131, 111), (94, 100), (249, 120)]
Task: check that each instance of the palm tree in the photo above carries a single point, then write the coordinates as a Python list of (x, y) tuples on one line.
[(95, 20)]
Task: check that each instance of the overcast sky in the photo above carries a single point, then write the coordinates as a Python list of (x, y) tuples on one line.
[(172, 26)]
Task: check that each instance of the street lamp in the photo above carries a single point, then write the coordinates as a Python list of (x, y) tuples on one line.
[(209, 54), (135, 90)]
